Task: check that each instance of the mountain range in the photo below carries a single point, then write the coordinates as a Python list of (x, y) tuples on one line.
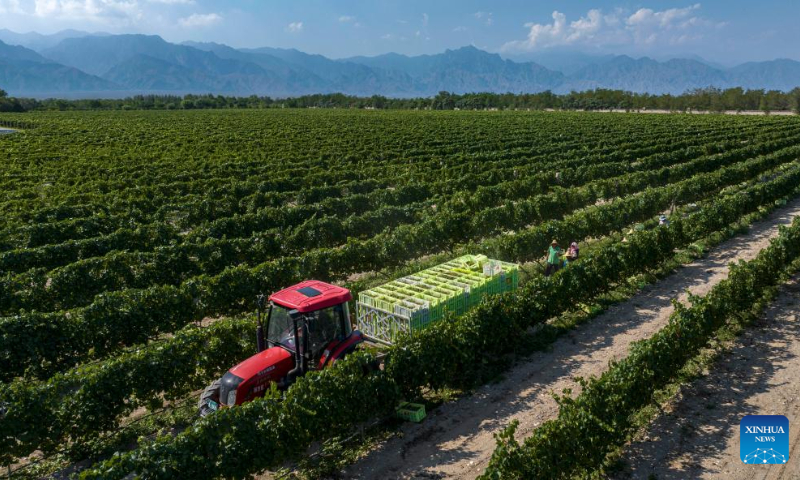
[(74, 63)]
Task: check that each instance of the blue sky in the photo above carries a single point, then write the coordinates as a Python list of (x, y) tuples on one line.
[(728, 31)]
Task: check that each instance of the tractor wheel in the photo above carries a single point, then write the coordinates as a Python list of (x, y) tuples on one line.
[(211, 393)]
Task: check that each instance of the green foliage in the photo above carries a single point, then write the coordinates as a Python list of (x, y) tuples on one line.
[(267, 431), (704, 99), (84, 401), (600, 418), (451, 353), (183, 289), (120, 231), (97, 329), (163, 308), (795, 96)]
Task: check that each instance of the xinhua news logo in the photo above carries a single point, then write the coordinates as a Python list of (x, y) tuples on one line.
[(764, 439)]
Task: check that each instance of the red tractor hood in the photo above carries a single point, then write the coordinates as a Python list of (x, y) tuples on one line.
[(272, 364)]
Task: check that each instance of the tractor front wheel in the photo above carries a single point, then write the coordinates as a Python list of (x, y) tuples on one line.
[(210, 394)]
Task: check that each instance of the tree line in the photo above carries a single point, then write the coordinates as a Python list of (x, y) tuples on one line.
[(705, 99)]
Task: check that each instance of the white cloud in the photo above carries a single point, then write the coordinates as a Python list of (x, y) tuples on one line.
[(460, 28), (295, 27), (200, 20), (109, 13), (675, 25), (102, 11), (425, 19), (10, 6), (667, 18), (393, 37), (351, 20), (485, 17), (642, 27)]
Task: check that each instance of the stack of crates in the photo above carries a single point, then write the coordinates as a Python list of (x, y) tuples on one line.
[(411, 303)]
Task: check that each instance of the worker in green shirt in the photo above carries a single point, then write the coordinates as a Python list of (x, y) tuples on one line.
[(553, 262)]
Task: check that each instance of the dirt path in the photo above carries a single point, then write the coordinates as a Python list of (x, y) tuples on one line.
[(702, 112), (699, 437), (456, 440)]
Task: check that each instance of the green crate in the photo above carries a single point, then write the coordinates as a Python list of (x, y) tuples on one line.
[(411, 412), (413, 302)]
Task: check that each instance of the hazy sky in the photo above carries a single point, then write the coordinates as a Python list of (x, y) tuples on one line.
[(721, 30)]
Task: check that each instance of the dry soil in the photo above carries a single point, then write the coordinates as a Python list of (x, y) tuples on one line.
[(456, 440), (699, 436)]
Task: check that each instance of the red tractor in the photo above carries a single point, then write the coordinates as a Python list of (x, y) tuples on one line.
[(307, 328)]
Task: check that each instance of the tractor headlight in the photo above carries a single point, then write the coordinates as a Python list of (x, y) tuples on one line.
[(227, 388)]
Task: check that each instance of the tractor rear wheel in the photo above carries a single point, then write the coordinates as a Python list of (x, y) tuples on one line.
[(210, 394)]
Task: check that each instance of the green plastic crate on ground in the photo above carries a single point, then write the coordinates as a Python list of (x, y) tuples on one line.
[(411, 412), (413, 302)]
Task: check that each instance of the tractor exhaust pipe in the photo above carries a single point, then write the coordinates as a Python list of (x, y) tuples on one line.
[(299, 361), (261, 339)]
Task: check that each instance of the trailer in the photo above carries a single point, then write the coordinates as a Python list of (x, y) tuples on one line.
[(409, 304), (308, 326)]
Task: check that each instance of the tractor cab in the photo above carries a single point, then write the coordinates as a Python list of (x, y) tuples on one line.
[(307, 328)]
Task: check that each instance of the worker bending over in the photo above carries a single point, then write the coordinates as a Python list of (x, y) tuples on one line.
[(572, 253)]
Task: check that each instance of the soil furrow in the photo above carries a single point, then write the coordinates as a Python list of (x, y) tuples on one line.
[(699, 436), (456, 440)]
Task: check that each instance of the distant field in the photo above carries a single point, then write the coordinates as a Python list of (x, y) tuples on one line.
[(121, 231)]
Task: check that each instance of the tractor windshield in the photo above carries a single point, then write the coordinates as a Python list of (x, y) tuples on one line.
[(281, 328), (324, 326)]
